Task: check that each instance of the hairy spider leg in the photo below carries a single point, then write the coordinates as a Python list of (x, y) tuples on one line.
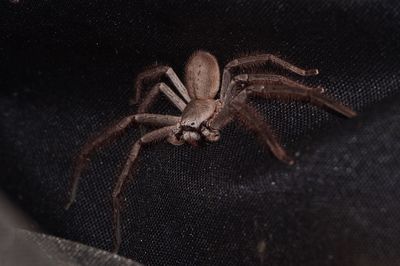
[(254, 121), (108, 135), (154, 92), (258, 60), (152, 136), (155, 74), (275, 86), (277, 79), (152, 95), (221, 119), (270, 86), (225, 116)]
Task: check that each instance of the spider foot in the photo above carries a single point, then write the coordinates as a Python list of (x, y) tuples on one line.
[(288, 160), (311, 72)]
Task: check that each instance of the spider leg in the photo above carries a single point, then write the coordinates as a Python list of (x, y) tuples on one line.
[(257, 60), (274, 79), (152, 95), (223, 118), (238, 108), (238, 83), (275, 86), (109, 134), (155, 74), (152, 136), (254, 121), (154, 92)]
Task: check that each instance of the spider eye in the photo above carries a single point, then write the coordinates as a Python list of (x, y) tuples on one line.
[(192, 124)]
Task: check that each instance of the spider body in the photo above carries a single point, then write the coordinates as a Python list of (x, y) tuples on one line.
[(193, 124), (202, 80), (203, 115)]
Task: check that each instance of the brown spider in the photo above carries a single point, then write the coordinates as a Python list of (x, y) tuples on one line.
[(203, 116)]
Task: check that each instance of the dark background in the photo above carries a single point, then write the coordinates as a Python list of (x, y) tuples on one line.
[(67, 71)]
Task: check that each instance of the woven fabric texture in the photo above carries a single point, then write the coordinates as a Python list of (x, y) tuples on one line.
[(67, 71)]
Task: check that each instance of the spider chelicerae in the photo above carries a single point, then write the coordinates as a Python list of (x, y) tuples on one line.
[(203, 116)]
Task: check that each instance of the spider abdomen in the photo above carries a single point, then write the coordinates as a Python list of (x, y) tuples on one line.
[(202, 76)]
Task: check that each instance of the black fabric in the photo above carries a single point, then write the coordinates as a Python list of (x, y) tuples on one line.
[(67, 71)]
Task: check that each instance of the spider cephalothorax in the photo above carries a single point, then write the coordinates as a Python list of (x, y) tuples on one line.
[(203, 116)]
